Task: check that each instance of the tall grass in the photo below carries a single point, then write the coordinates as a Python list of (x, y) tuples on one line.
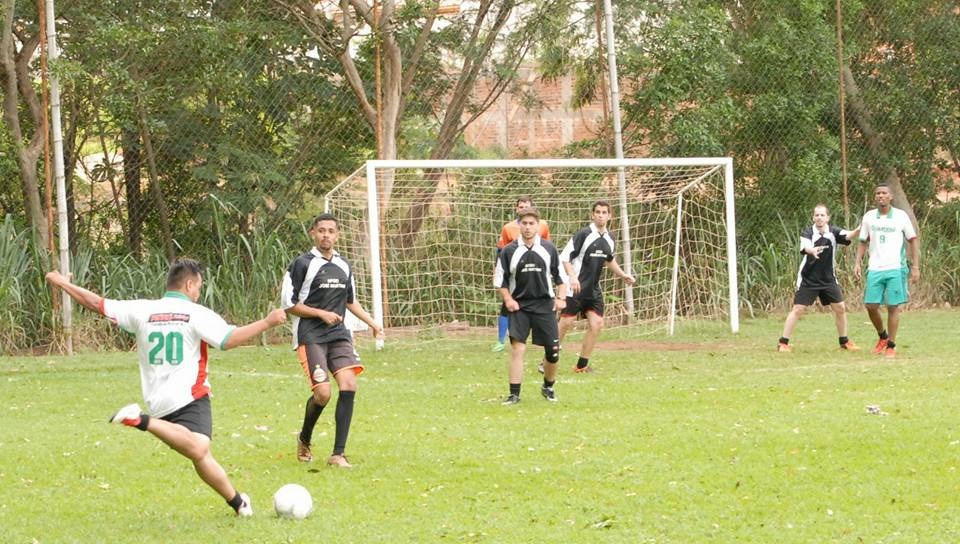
[(243, 274)]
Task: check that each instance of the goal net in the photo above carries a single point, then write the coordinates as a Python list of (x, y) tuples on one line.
[(422, 235)]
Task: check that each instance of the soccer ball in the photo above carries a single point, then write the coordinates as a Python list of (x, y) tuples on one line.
[(292, 501)]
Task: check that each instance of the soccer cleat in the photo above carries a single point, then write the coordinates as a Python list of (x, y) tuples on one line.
[(784, 348), (548, 393), (850, 346), (540, 368), (246, 509), (512, 399), (881, 346), (304, 455), (890, 353), (585, 370), (339, 460), (498, 347), (128, 415)]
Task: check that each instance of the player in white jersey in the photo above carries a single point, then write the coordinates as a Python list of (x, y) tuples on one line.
[(172, 335), (887, 231)]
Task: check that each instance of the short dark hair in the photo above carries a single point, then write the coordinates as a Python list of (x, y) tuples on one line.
[(182, 270), (324, 217), (529, 212), (603, 203), (821, 205), (524, 199)]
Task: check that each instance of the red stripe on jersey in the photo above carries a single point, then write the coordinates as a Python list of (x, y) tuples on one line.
[(199, 388)]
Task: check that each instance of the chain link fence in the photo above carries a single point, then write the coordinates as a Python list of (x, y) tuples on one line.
[(211, 129)]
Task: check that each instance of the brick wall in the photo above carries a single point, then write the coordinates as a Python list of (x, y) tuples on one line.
[(513, 128)]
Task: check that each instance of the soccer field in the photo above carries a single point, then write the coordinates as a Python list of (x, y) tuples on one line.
[(705, 437)]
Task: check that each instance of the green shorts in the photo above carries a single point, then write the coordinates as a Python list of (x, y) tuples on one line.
[(886, 287)]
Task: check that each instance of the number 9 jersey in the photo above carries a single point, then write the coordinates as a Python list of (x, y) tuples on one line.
[(172, 338)]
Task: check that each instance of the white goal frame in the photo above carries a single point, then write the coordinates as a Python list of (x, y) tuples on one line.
[(725, 163)]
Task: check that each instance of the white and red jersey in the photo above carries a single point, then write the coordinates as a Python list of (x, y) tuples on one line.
[(172, 337)]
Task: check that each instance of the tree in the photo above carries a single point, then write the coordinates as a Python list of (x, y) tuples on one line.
[(19, 39)]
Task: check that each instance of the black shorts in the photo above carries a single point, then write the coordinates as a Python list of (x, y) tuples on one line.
[(320, 361), (196, 416), (806, 296), (544, 327), (580, 307)]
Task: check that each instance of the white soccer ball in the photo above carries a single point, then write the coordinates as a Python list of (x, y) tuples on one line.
[(292, 501)]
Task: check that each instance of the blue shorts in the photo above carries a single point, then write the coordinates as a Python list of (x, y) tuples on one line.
[(886, 287)]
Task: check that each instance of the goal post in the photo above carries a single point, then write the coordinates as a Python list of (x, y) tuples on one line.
[(422, 235)]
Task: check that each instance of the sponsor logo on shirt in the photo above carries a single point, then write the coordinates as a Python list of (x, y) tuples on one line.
[(530, 267), (169, 317), (331, 283)]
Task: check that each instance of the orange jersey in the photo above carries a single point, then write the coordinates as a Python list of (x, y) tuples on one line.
[(511, 231)]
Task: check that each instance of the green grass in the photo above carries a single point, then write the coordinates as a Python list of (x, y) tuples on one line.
[(718, 440)]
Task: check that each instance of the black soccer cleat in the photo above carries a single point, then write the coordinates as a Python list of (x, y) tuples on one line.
[(512, 399), (548, 393)]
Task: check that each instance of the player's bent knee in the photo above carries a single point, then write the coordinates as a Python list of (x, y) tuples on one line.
[(551, 354), (198, 449)]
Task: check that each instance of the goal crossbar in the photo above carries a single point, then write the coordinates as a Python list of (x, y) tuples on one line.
[(374, 209)]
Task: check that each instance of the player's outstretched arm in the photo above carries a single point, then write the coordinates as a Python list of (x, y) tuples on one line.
[(853, 234), (87, 299), (241, 335), (362, 315)]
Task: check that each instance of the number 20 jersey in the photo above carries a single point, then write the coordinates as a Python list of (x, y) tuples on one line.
[(172, 338)]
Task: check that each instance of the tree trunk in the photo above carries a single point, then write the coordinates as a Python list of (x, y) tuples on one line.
[(16, 81), (132, 163), (874, 141), (71, 151), (156, 193)]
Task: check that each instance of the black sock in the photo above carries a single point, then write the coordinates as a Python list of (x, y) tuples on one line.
[(236, 502), (548, 383), (582, 362), (784, 340), (310, 416), (844, 340), (515, 389), (343, 416), (884, 335), (891, 344), (144, 421)]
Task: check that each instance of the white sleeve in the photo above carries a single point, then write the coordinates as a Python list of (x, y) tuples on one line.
[(908, 229), (567, 251), (123, 313), (498, 274), (212, 328), (865, 228)]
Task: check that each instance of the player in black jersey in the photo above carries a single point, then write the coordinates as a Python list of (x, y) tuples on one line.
[(584, 258), (527, 270), (317, 290), (817, 278)]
